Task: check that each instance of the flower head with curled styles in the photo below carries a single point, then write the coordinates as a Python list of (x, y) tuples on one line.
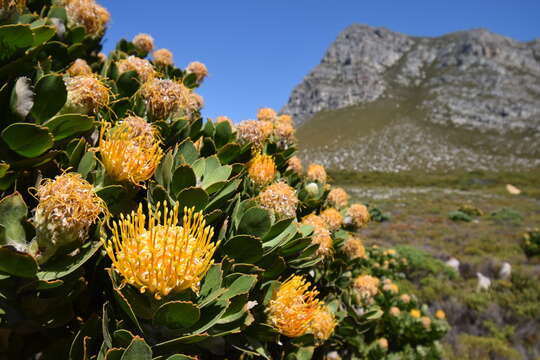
[(357, 215), (164, 98), (354, 248), (284, 133), (142, 67), (86, 94), (199, 69), (279, 198), (254, 132), (285, 119), (143, 42), (68, 206), (86, 13), (321, 234), (262, 170), (266, 114), (154, 253), (338, 198), (196, 102), (293, 307), (366, 286), (332, 218), (323, 324), (295, 165), (130, 151), (163, 57), (316, 172), (79, 67)]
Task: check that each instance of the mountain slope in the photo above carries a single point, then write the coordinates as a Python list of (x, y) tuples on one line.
[(465, 100)]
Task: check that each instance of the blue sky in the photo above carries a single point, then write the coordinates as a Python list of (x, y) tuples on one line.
[(257, 51)]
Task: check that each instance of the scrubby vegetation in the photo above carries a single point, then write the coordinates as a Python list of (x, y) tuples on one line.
[(131, 228)]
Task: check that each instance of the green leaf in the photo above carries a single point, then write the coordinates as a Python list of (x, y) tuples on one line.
[(193, 197), (43, 33), (243, 248), (223, 133), (63, 126), (128, 83), (137, 350), (88, 332), (211, 315), (241, 285), (67, 264), (212, 280), (58, 12), (189, 152), (229, 152), (255, 221), (28, 140), (17, 263), (190, 80), (13, 38), (13, 212), (50, 96), (87, 164), (164, 172), (177, 315), (181, 357), (183, 177)]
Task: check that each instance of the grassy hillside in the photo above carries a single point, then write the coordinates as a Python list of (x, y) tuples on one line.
[(393, 134)]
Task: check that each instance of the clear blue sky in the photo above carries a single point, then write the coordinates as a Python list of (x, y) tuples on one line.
[(257, 51)]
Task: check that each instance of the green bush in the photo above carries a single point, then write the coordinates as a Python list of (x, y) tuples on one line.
[(132, 228)]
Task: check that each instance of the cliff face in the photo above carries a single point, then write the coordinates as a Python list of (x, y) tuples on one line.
[(471, 78)]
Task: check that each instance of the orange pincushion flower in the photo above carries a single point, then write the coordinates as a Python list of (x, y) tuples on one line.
[(199, 69), (284, 132), (279, 198), (164, 98), (262, 170), (253, 131), (405, 298), (323, 324), (79, 67), (153, 252), (163, 57), (18, 5), (86, 94), (394, 311), (317, 173), (68, 206), (366, 286), (130, 151), (266, 114), (440, 315), (332, 218), (354, 248), (426, 322), (338, 198), (286, 119), (88, 14), (358, 215), (144, 69), (383, 343), (321, 235), (389, 286), (293, 307), (295, 164), (143, 42), (196, 102)]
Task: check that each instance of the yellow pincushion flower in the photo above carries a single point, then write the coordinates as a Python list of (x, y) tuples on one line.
[(164, 97), (199, 69), (440, 315), (293, 307), (88, 14), (86, 94), (163, 57), (338, 198), (323, 324), (266, 114), (68, 206), (295, 164), (79, 67), (143, 42), (357, 215), (144, 69), (332, 218), (316, 172), (366, 286), (262, 170), (354, 248), (130, 151), (415, 313), (321, 235), (279, 198), (153, 252)]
